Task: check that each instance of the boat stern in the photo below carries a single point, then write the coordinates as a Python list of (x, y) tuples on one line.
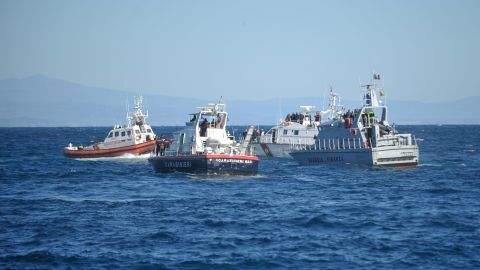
[(401, 157)]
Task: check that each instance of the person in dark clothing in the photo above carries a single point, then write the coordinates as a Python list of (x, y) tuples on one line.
[(364, 119), (203, 127), (157, 148), (160, 149), (348, 114)]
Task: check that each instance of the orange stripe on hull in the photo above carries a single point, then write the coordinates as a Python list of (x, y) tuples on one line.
[(401, 166), (137, 149)]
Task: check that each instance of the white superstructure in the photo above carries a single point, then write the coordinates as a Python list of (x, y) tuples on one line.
[(297, 128), (135, 131), (361, 136), (206, 133)]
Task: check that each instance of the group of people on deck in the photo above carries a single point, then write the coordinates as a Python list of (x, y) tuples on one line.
[(367, 118), (296, 117), (300, 117)]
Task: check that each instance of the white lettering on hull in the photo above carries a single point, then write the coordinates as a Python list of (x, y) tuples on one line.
[(326, 159), (228, 160), (177, 164)]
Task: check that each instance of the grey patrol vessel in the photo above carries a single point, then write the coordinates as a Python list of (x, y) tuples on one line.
[(362, 136)]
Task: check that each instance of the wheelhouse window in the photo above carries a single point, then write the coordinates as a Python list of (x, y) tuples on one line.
[(110, 135), (117, 133), (137, 131), (285, 132), (295, 132), (149, 130), (129, 133), (123, 133)]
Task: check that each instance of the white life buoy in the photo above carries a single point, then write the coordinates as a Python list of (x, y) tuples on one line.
[(138, 137)]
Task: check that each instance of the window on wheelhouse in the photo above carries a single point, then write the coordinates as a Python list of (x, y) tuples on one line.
[(295, 132), (129, 133), (149, 130), (123, 133), (285, 131), (110, 135), (117, 133)]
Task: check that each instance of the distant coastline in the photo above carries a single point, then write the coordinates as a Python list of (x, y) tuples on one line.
[(40, 101)]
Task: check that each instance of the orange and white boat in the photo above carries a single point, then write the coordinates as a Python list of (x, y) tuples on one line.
[(136, 137)]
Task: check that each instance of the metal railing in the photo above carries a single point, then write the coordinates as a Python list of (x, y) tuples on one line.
[(355, 143), (334, 144)]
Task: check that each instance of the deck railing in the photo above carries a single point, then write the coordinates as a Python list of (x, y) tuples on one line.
[(334, 144), (354, 143)]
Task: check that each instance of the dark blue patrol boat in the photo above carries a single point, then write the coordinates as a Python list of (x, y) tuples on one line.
[(205, 147)]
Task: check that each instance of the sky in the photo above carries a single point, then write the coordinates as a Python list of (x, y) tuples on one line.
[(424, 50)]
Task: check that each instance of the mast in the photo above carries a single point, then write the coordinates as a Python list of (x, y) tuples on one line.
[(138, 117)]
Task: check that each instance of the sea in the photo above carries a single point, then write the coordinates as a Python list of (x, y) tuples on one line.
[(117, 213)]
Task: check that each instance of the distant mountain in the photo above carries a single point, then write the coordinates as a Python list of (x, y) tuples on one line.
[(43, 101)]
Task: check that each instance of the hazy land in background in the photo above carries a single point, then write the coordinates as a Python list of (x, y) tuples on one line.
[(40, 101)]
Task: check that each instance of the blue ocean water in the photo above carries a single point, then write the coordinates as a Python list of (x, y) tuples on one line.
[(118, 214)]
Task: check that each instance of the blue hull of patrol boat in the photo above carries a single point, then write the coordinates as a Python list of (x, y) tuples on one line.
[(216, 164)]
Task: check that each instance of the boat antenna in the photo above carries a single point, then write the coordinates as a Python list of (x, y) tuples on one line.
[(323, 100), (360, 87), (383, 91), (217, 106), (280, 108), (127, 108)]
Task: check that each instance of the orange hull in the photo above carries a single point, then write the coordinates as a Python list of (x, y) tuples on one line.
[(138, 149)]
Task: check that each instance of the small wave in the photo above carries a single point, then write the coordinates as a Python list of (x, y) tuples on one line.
[(40, 257), (150, 266), (57, 200), (68, 173), (424, 254), (430, 165), (260, 264), (319, 221), (164, 236), (221, 177), (199, 264), (216, 223), (442, 191), (222, 245)]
